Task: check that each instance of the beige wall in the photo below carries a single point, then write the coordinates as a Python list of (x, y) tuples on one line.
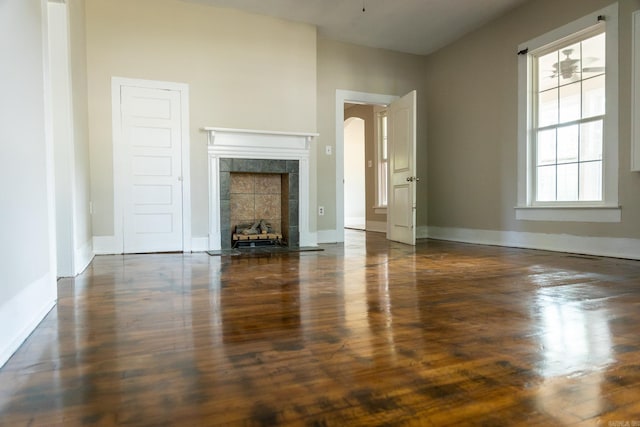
[(243, 70), (365, 112), (472, 132), (250, 71), (343, 66)]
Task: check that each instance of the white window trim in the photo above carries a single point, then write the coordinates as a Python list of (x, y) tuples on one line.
[(607, 210), (377, 110), (635, 90)]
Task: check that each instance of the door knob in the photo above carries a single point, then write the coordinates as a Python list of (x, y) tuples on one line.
[(413, 178)]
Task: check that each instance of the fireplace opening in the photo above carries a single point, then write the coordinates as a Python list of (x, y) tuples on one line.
[(259, 202), (259, 209)]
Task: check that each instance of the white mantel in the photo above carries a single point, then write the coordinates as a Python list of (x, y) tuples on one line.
[(258, 144)]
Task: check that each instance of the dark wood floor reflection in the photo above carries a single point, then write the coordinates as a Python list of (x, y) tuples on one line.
[(362, 334)]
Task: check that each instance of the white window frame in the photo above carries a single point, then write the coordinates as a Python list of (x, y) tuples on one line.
[(607, 210), (635, 90), (380, 207)]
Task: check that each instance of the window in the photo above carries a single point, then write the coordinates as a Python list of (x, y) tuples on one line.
[(569, 105), (568, 159), (382, 159)]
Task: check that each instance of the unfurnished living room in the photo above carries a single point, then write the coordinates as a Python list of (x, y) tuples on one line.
[(320, 212)]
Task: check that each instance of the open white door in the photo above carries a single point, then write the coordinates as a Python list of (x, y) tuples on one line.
[(401, 207)]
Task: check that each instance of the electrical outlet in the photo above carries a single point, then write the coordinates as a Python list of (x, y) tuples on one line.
[(328, 150), (321, 210)]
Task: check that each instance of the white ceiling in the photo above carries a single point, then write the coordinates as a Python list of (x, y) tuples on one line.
[(411, 26)]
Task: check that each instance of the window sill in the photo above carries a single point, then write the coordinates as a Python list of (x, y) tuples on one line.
[(380, 210), (569, 213)]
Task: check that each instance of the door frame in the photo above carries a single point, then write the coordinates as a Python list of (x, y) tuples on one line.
[(118, 209), (343, 96)]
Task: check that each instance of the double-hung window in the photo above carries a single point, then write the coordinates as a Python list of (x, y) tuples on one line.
[(568, 157)]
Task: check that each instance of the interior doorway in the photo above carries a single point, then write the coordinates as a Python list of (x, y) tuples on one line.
[(365, 166), (362, 99), (355, 182), (400, 212)]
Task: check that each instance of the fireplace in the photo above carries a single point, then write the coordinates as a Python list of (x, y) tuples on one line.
[(260, 154), (254, 190)]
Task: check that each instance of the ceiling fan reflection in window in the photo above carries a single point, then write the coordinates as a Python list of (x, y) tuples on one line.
[(568, 67)]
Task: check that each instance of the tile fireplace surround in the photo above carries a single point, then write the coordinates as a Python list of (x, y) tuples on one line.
[(289, 168), (241, 150)]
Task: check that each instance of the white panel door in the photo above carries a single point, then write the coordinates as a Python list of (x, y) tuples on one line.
[(151, 156), (401, 137)]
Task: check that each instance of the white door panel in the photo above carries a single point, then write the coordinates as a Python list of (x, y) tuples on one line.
[(151, 137), (153, 194), (402, 149), (402, 169), (153, 223), (152, 181), (149, 106), (148, 166), (401, 216)]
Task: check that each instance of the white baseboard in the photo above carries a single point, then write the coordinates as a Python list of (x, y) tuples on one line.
[(378, 226), (600, 246), (105, 245), (327, 236), (309, 239), (422, 232), (83, 257), (200, 244), (354, 221), (21, 314)]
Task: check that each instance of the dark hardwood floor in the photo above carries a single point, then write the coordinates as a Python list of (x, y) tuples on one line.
[(369, 333)]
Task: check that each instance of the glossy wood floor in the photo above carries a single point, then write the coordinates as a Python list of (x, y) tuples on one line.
[(366, 334)]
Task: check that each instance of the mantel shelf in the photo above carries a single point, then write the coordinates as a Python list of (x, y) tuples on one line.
[(261, 132)]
